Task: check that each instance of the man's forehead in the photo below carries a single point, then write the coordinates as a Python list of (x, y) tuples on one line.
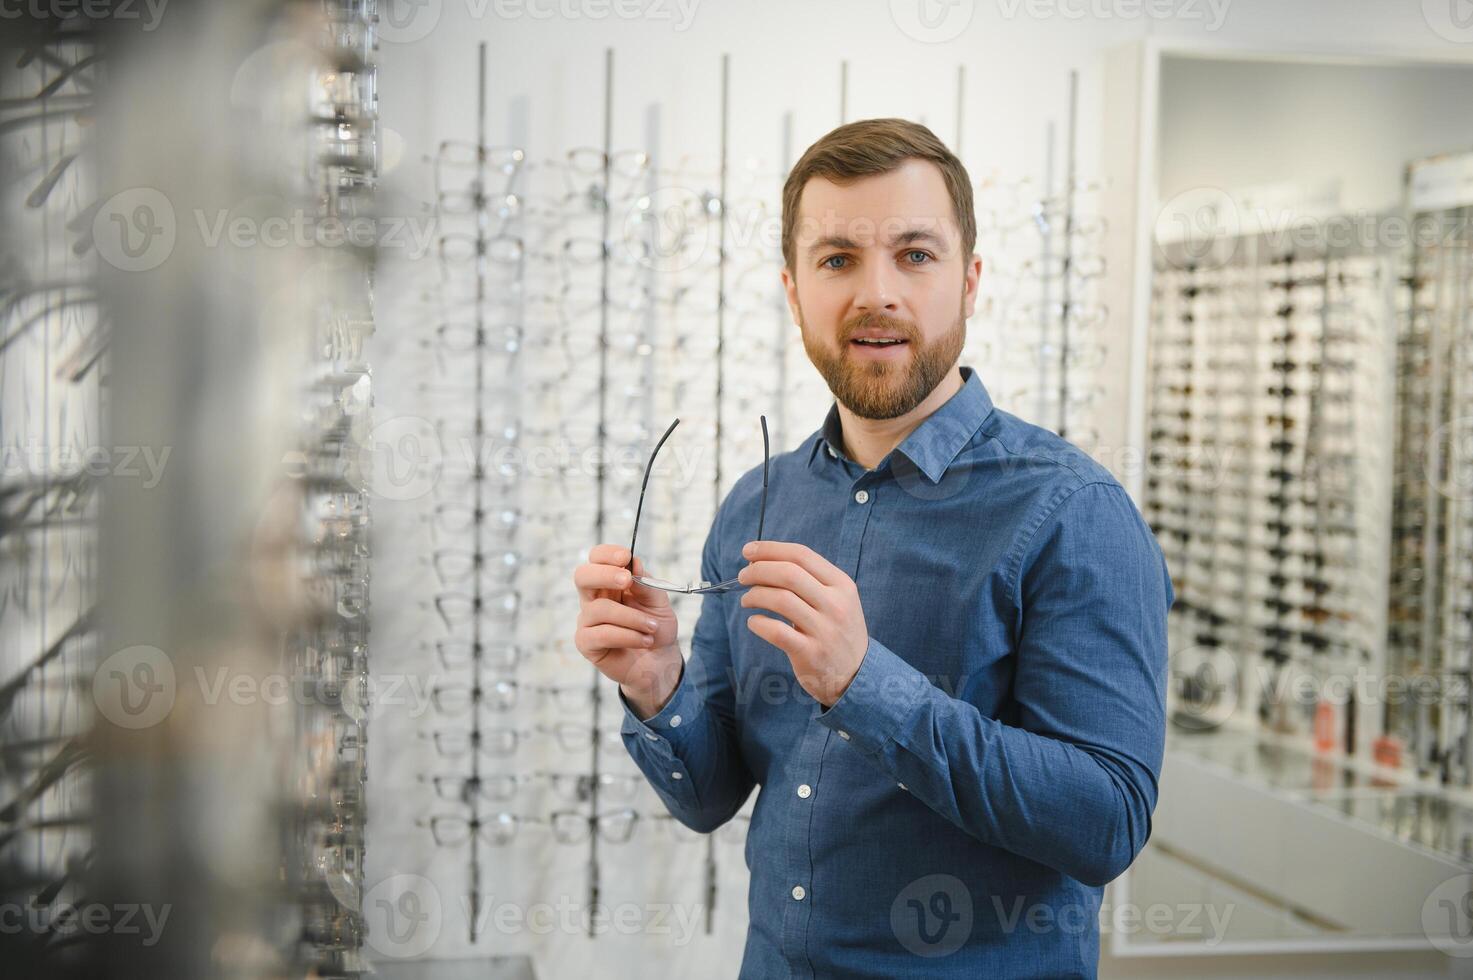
[(879, 210)]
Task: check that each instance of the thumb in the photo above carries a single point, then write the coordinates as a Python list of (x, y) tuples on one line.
[(644, 594)]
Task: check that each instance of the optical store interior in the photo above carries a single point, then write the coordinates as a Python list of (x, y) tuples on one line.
[(335, 333)]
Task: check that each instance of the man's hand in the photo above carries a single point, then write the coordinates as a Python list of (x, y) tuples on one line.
[(828, 636), (628, 631)]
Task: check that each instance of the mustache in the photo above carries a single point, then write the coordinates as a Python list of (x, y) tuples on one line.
[(878, 321)]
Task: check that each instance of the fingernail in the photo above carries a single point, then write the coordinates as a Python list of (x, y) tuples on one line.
[(625, 578), (650, 625), (649, 640), (749, 548)]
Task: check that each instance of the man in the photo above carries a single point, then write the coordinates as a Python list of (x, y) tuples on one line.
[(945, 663)]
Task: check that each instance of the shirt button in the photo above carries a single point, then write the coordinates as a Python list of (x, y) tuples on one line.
[(798, 892), (805, 791), (831, 451), (862, 496), (676, 775), (902, 786), (844, 735), (652, 736), (674, 721)]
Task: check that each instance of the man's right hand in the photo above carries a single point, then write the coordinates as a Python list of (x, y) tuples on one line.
[(627, 630)]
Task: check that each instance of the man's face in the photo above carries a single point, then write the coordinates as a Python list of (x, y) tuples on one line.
[(880, 288)]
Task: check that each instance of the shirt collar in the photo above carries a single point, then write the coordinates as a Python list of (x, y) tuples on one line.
[(934, 444)]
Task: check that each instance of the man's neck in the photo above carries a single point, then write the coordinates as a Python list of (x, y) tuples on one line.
[(867, 441)]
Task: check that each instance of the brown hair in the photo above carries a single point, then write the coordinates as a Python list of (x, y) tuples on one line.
[(877, 146)]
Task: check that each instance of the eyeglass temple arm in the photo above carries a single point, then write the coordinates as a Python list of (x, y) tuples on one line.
[(634, 535), (762, 513)]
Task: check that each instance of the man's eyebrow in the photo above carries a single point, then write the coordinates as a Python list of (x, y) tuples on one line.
[(913, 235), (908, 237)]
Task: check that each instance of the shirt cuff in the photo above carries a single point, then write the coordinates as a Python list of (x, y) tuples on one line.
[(665, 724), (883, 693)]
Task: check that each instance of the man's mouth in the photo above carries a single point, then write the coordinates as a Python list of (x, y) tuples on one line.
[(879, 348)]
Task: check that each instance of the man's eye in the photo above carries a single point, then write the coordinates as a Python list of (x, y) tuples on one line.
[(834, 258), (918, 257)]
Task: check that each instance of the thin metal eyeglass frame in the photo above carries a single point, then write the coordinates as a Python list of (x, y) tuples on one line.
[(702, 587)]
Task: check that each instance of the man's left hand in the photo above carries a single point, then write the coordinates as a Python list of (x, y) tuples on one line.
[(828, 636)]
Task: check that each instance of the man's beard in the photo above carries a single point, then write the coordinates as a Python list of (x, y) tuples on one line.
[(879, 389)]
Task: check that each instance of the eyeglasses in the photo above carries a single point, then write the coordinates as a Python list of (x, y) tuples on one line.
[(497, 829), (701, 587), (612, 826)]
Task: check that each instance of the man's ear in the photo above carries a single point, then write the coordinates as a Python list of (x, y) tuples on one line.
[(790, 288), (972, 281)]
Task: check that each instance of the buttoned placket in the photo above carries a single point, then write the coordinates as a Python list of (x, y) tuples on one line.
[(817, 739)]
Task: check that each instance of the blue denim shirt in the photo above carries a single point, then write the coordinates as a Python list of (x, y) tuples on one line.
[(993, 763)]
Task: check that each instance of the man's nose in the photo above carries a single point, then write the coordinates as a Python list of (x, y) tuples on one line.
[(878, 289)]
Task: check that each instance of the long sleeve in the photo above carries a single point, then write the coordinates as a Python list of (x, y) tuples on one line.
[(1073, 784), (689, 750)]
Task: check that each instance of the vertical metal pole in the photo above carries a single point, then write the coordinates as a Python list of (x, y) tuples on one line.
[(961, 89), (720, 384), (601, 437), (477, 437), (1065, 286), (843, 92)]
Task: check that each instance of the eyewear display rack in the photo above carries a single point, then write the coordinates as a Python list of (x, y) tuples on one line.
[(53, 398), (1270, 370), (1431, 628), (151, 616), (566, 285)]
